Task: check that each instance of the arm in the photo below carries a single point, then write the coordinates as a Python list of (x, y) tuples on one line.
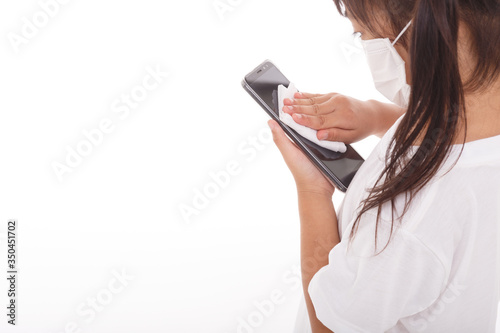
[(341, 118), (417, 274), (319, 232), (318, 220), (384, 115), (318, 235)]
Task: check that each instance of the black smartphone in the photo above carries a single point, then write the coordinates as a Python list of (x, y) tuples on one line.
[(339, 168)]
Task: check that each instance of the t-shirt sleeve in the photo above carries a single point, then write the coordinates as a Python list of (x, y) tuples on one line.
[(361, 292)]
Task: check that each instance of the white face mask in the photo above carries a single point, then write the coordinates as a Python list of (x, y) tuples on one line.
[(388, 69)]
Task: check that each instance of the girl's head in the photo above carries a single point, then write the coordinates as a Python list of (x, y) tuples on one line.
[(378, 18), (452, 52), (475, 22)]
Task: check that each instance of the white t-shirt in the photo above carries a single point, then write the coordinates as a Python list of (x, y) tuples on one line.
[(441, 269)]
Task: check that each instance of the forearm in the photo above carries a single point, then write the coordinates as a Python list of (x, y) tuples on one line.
[(319, 234), (383, 116)]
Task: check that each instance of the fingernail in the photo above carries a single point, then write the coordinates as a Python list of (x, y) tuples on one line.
[(298, 115), (299, 94), (288, 101), (323, 136), (289, 108)]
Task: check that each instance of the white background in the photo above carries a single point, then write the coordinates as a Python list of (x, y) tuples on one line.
[(119, 209)]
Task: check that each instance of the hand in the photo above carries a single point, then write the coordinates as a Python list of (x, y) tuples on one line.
[(307, 177), (336, 117)]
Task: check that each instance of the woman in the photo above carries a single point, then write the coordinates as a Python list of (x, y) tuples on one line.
[(415, 245)]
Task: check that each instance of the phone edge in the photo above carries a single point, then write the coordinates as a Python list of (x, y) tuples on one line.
[(331, 177)]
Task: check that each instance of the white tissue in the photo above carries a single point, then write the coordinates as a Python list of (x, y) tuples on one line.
[(306, 132)]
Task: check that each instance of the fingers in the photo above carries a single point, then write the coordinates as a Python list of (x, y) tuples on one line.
[(337, 134), (301, 95), (307, 99), (312, 104), (305, 95), (321, 121), (287, 147), (312, 108)]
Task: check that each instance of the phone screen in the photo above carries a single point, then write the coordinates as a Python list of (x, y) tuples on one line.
[(265, 81)]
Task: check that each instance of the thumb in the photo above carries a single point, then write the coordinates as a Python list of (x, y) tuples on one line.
[(336, 135), (283, 143)]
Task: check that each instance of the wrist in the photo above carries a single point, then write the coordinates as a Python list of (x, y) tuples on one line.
[(375, 117), (316, 192), (383, 116)]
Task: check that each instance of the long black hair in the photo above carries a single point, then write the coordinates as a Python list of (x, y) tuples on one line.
[(436, 110)]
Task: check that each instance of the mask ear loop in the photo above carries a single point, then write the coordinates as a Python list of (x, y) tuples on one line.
[(401, 33)]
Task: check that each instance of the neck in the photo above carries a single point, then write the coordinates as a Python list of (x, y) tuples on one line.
[(483, 115)]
